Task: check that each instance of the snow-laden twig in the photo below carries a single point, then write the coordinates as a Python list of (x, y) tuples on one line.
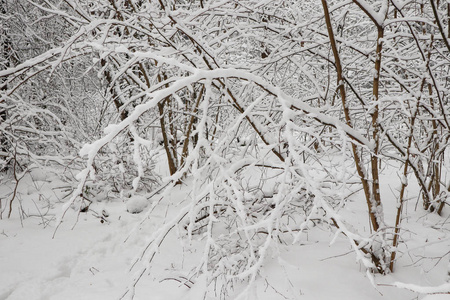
[(440, 289)]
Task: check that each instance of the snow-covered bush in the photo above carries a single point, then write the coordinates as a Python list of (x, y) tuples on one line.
[(270, 114)]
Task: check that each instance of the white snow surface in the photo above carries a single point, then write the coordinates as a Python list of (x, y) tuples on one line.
[(94, 259)]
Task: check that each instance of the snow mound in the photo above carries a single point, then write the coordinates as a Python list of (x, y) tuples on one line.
[(136, 204)]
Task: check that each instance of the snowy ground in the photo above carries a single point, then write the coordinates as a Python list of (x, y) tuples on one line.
[(93, 259)]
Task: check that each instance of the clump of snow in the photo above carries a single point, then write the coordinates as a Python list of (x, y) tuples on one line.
[(137, 204)]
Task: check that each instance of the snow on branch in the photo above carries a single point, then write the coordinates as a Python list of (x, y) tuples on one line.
[(376, 17), (440, 289)]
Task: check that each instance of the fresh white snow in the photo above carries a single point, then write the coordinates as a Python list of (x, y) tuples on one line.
[(98, 259)]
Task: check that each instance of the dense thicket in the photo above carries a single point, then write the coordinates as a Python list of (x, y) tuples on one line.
[(270, 111)]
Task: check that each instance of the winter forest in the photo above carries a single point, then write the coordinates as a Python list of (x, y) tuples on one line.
[(224, 149)]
